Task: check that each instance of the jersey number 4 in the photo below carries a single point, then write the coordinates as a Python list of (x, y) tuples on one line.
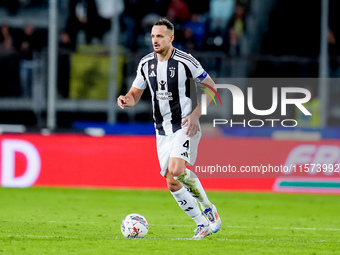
[(186, 144)]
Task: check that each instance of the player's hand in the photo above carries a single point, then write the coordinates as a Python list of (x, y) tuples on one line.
[(192, 125), (122, 101)]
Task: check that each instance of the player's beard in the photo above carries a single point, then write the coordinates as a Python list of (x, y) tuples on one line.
[(159, 50), (162, 50)]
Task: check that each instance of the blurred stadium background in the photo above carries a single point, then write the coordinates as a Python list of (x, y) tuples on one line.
[(63, 64), (88, 164)]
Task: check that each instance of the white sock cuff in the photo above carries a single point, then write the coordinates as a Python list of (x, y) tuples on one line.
[(201, 220), (179, 192)]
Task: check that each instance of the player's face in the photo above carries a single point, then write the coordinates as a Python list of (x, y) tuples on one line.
[(161, 39)]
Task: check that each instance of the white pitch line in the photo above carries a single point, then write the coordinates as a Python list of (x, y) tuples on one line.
[(191, 225), (288, 228), (258, 227), (171, 239)]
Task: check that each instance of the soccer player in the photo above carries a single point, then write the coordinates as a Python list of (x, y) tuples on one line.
[(167, 71)]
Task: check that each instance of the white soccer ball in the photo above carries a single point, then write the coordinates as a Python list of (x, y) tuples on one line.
[(134, 225)]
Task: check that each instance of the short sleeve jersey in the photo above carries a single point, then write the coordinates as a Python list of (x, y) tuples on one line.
[(169, 83)]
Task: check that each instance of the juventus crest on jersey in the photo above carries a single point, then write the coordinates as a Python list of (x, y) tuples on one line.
[(169, 83)]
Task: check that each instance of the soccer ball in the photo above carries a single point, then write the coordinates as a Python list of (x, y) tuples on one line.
[(134, 226)]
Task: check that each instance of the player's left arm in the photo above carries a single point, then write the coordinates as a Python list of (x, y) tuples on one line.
[(193, 118)]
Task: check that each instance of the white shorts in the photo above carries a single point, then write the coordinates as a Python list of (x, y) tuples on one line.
[(177, 145)]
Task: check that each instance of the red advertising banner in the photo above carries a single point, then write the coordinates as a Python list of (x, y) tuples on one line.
[(79, 161), (259, 164)]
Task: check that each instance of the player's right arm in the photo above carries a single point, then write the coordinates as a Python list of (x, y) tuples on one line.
[(131, 98), (136, 90)]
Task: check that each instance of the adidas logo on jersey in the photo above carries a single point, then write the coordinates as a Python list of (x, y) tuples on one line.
[(185, 154), (152, 74)]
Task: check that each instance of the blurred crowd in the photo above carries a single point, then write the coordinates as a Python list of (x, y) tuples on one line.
[(13, 6), (204, 25), (17, 49), (208, 24)]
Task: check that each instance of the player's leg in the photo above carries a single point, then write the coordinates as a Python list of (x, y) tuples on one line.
[(186, 149), (189, 180), (184, 199), (189, 205)]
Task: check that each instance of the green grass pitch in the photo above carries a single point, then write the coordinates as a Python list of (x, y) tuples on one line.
[(87, 221)]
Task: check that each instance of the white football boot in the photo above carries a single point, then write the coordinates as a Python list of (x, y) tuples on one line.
[(213, 218), (201, 231)]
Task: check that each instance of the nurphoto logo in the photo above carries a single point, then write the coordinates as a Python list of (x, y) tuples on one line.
[(238, 105)]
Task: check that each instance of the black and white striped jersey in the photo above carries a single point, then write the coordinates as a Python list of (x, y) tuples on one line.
[(169, 83)]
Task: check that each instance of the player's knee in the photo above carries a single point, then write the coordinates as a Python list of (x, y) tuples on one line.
[(175, 169), (172, 184)]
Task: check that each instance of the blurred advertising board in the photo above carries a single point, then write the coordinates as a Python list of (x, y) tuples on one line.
[(243, 164)]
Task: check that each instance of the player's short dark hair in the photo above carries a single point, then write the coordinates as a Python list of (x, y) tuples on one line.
[(165, 22)]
